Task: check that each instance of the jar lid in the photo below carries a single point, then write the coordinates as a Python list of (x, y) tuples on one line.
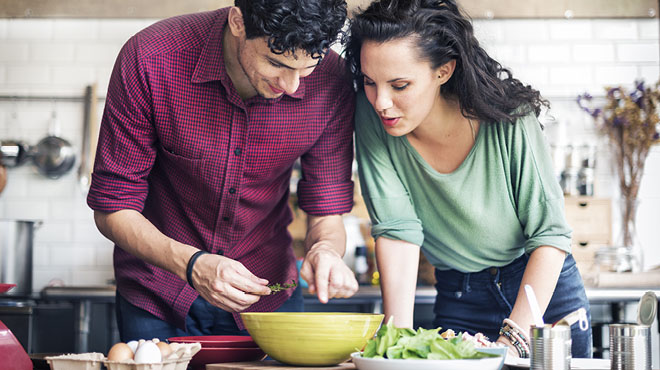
[(647, 308)]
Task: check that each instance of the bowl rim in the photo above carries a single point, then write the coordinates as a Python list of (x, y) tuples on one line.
[(230, 349), (225, 341), (343, 314), (358, 354)]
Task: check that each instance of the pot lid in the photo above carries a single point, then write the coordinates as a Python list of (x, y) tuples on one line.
[(647, 308)]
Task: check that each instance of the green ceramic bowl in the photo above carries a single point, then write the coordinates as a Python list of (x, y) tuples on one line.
[(311, 338)]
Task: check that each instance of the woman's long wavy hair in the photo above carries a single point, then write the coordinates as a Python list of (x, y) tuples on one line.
[(486, 90)]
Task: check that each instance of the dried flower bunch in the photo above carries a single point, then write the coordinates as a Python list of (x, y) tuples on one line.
[(630, 121)]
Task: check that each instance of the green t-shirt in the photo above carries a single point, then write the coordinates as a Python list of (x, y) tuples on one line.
[(501, 202)]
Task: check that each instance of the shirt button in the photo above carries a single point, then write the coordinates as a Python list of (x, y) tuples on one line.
[(232, 190), (493, 271), (225, 218), (220, 252), (238, 151)]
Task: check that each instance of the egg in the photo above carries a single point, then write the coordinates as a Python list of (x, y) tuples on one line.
[(133, 344), (164, 348), (147, 353), (120, 352)]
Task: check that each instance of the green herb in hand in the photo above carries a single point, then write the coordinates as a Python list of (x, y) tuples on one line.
[(279, 287)]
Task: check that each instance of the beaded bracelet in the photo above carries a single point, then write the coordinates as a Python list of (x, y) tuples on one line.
[(512, 332), (515, 342), (517, 329)]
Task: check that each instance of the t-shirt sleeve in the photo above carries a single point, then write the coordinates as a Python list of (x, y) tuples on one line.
[(386, 198), (536, 191), (125, 152)]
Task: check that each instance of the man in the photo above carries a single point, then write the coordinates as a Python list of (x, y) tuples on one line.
[(205, 116)]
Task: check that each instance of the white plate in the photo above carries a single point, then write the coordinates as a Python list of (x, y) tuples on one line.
[(491, 363), (576, 363)]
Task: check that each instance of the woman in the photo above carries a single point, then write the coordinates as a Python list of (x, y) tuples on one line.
[(452, 160)]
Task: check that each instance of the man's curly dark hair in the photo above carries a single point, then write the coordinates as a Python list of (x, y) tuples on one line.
[(290, 25)]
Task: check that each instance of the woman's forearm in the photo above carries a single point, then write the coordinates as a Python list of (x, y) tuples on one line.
[(398, 262), (542, 272)]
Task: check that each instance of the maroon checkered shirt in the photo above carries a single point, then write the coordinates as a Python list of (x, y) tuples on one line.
[(178, 144)]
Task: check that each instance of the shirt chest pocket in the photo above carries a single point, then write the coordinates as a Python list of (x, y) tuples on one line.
[(275, 148), (192, 180)]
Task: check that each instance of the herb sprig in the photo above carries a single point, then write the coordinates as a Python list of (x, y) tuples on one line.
[(277, 287)]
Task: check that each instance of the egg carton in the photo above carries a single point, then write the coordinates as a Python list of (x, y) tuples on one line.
[(81, 361), (178, 360)]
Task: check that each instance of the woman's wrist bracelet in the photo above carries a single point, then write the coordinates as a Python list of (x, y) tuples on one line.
[(191, 264), (515, 327), (512, 332)]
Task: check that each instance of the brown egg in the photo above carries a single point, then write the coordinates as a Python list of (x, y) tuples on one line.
[(120, 352), (165, 349)]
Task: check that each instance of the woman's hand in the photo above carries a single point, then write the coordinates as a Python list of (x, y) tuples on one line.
[(511, 349)]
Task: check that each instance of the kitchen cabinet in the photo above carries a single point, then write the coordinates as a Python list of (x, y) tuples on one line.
[(591, 220), (71, 322)]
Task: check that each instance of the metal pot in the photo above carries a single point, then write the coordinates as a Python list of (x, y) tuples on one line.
[(16, 241), (13, 153), (53, 156)]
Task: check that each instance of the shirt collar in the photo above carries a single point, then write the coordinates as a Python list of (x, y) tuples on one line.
[(211, 64)]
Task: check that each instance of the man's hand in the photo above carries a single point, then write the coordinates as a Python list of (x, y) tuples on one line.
[(327, 274), (223, 282), (226, 283)]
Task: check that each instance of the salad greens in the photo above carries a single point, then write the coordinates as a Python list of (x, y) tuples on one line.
[(404, 343)]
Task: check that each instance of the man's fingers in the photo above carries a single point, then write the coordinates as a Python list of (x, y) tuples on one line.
[(342, 284), (251, 287), (250, 283), (307, 273), (321, 277), (234, 299)]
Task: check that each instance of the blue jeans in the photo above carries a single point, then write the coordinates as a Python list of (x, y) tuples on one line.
[(203, 319), (479, 301)]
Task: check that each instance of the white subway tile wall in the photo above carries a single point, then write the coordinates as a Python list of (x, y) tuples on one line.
[(42, 57)]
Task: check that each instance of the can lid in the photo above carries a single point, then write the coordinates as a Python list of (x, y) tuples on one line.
[(647, 308)]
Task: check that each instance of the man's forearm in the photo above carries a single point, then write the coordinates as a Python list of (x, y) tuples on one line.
[(132, 232), (329, 231)]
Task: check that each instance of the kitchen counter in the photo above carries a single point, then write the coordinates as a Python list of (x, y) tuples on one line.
[(367, 299), (426, 295)]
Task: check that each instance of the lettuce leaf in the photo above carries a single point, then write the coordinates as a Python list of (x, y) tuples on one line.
[(404, 343)]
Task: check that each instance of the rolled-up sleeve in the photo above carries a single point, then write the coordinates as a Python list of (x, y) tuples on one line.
[(326, 187), (539, 198), (389, 204), (545, 225), (125, 152)]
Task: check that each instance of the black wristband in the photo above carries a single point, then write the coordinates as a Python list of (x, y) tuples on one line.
[(191, 263)]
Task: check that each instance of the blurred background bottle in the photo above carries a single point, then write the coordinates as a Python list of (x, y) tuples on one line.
[(362, 265)]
